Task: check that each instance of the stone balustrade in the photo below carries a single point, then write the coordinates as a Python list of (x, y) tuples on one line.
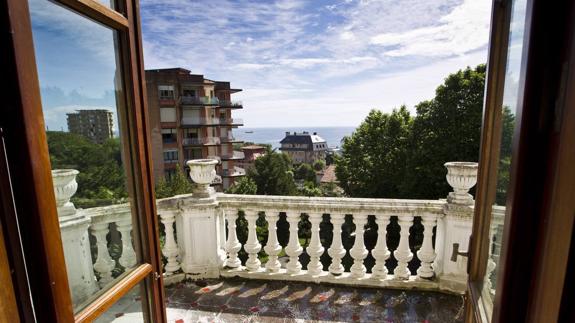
[(202, 237)]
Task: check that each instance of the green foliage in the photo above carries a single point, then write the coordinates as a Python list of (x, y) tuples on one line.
[(272, 174), (373, 157), (101, 180), (305, 172), (399, 156), (244, 185), (319, 165), (174, 185), (310, 189)]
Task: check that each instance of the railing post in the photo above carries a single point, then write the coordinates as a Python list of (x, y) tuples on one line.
[(336, 250), (315, 249), (358, 252), (293, 249), (272, 247), (170, 250), (128, 257), (381, 252), (252, 245), (426, 254), (75, 237), (198, 224), (104, 263), (233, 245), (403, 253), (455, 226)]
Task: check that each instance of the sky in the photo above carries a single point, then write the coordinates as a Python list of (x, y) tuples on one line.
[(318, 63), (299, 63)]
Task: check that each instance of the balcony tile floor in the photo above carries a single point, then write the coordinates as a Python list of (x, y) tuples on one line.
[(238, 300)]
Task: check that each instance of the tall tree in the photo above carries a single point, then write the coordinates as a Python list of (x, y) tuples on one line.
[(273, 175), (244, 185), (373, 157)]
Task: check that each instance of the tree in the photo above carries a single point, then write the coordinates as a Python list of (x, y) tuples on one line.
[(273, 175), (319, 165), (244, 185), (174, 185), (305, 172), (372, 163), (310, 189)]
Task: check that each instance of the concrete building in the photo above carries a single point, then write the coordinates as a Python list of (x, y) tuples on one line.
[(191, 118), (96, 125), (304, 147)]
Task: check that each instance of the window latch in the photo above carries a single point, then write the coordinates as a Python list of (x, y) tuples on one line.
[(455, 252)]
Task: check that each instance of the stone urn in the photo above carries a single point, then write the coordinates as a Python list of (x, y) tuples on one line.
[(202, 172), (65, 186), (461, 176)]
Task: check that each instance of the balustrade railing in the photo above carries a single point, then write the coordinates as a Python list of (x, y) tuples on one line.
[(359, 241), (198, 100)]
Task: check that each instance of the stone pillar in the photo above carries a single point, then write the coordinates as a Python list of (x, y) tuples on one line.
[(74, 231), (198, 225), (455, 226)]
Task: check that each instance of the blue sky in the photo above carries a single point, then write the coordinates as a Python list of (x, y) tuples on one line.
[(300, 63)]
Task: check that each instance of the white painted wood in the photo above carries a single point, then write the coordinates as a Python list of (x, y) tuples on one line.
[(403, 253), (170, 250), (381, 252), (104, 263), (293, 249), (128, 257), (252, 246), (315, 249), (233, 245), (358, 252), (272, 247), (336, 250), (427, 254)]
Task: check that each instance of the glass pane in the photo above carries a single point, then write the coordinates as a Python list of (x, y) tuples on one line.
[(83, 103), (127, 309), (508, 112)]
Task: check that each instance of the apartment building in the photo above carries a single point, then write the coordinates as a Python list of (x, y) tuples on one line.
[(191, 118), (304, 147), (96, 125)]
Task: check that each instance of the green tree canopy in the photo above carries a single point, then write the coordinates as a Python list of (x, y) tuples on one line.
[(272, 174), (177, 184), (305, 172), (244, 185), (373, 157)]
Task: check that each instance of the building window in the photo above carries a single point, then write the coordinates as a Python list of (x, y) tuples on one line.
[(166, 92), (189, 93), (190, 133), (169, 135), (169, 173), (167, 114), (170, 156)]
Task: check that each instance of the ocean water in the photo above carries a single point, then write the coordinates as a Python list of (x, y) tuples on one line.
[(273, 136)]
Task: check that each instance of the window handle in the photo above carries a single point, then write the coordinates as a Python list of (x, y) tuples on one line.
[(455, 252)]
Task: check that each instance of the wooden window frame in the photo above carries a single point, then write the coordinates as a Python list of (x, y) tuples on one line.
[(28, 154), (534, 253)]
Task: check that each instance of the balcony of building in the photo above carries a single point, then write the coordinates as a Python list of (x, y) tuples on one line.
[(229, 139), (231, 121), (235, 155), (204, 141), (229, 104), (200, 122), (346, 258), (198, 101)]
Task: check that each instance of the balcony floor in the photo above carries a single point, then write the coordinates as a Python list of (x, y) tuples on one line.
[(239, 300)]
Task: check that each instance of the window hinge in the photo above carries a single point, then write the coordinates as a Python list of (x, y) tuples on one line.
[(156, 275)]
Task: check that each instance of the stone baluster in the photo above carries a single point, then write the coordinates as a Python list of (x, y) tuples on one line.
[(272, 247), (170, 250), (233, 245), (104, 263), (427, 254), (252, 245), (380, 252), (403, 253), (336, 250), (128, 257), (315, 249), (358, 252), (293, 249)]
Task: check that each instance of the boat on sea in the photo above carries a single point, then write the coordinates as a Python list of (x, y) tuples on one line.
[(248, 131)]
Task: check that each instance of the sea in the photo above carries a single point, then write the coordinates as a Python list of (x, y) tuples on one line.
[(273, 136)]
